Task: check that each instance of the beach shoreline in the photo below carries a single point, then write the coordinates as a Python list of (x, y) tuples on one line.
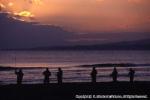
[(70, 91)]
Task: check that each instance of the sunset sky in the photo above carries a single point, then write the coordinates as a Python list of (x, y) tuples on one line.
[(88, 20)]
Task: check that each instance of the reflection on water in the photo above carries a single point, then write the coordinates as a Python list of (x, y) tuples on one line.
[(68, 60), (80, 75)]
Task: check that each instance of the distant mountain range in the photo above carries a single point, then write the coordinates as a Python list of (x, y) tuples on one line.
[(127, 45)]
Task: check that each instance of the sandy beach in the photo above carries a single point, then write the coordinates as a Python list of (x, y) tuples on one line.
[(71, 91)]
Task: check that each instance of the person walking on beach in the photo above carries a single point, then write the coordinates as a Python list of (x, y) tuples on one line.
[(131, 74), (46, 74), (59, 75), (19, 74), (114, 74), (93, 75)]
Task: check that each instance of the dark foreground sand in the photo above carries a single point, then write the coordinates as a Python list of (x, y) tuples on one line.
[(68, 91)]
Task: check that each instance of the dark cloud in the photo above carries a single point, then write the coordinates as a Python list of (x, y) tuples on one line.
[(18, 34)]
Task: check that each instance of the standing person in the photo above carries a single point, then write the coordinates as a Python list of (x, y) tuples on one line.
[(93, 75), (114, 74), (46, 74), (19, 74), (59, 75), (131, 74)]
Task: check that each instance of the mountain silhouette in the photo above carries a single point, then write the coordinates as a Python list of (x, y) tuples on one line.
[(126, 45)]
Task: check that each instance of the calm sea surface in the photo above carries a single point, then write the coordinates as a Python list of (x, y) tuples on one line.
[(70, 61)]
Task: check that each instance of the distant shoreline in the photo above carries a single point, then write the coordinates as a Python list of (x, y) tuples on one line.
[(5, 68), (115, 65), (76, 49)]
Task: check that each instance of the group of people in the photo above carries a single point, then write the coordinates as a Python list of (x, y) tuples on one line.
[(114, 74), (19, 73), (47, 74)]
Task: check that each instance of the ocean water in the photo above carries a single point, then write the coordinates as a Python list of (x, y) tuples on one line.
[(70, 62)]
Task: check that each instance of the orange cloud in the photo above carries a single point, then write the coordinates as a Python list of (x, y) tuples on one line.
[(84, 15)]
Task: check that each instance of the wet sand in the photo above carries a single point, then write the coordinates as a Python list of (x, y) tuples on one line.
[(68, 91)]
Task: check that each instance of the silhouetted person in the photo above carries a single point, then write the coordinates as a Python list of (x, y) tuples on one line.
[(59, 75), (93, 75), (131, 74), (46, 74), (19, 74), (114, 74)]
